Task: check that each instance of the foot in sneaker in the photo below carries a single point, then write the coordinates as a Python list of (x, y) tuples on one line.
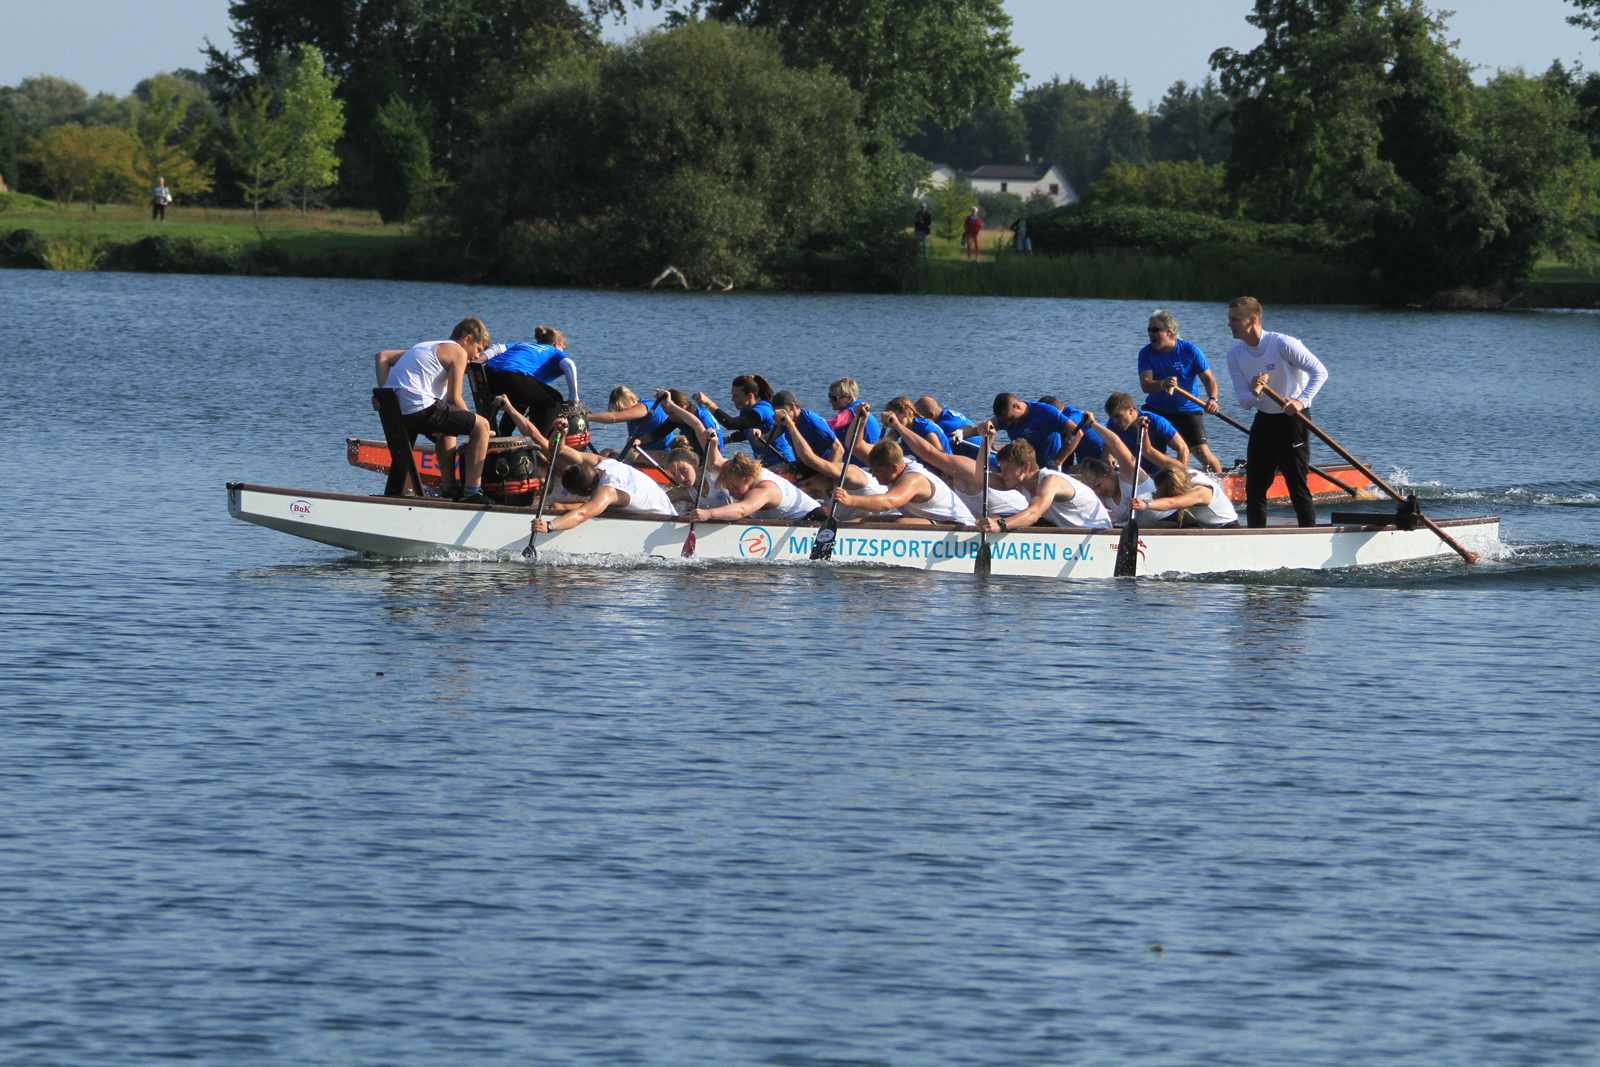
[(477, 500)]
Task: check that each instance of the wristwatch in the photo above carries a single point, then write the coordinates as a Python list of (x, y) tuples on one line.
[(1002, 521)]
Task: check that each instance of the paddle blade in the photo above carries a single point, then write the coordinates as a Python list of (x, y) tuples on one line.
[(822, 547), (688, 544), (1128, 552), (985, 562)]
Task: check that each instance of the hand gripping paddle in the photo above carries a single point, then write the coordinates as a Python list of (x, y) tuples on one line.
[(556, 441), (1127, 565), (822, 547)]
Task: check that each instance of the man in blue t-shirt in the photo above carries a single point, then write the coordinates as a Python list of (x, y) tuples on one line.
[(955, 425), (1052, 434), (1167, 361), (1159, 435)]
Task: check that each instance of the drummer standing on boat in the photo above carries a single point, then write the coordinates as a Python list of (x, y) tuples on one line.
[(1168, 361), (1279, 442), (426, 379)]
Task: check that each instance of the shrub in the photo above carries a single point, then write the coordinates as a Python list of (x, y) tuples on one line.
[(1081, 228), (1000, 209), (22, 248), (695, 146)]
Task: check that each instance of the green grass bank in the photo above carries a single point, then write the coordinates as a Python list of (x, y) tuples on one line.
[(357, 244)]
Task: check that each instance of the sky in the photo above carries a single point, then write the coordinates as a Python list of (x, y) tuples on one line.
[(109, 45)]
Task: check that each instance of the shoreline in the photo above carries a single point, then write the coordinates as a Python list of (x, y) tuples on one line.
[(345, 244)]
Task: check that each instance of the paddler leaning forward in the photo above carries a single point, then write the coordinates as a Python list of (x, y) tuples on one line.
[(1055, 499), (746, 489), (921, 497), (599, 483), (963, 473)]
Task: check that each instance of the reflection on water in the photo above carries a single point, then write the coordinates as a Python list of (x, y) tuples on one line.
[(266, 802)]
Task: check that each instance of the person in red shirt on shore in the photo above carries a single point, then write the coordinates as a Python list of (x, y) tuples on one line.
[(970, 228)]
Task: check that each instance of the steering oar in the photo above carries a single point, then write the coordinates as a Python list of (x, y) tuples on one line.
[(1242, 428), (1470, 557)]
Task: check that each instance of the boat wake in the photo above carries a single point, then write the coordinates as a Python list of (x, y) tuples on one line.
[(1561, 494)]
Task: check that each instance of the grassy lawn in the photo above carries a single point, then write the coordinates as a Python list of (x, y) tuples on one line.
[(320, 234)]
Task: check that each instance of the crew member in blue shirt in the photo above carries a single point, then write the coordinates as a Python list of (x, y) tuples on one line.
[(955, 425), (524, 373), (1170, 361), (1053, 435), (845, 397), (690, 416), (649, 423), (902, 408), (791, 418), (1159, 435), (752, 395)]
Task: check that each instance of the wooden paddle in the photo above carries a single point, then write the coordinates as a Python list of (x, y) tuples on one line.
[(1470, 557), (1127, 565), (822, 547), (556, 441), (1242, 428), (985, 563), (648, 458), (699, 494)]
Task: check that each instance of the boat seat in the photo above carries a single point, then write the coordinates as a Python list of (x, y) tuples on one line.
[(482, 398), (404, 480)]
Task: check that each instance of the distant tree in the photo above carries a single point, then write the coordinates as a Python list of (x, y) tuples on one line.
[(108, 109), (10, 145), (314, 120), (39, 103), (165, 148), (950, 203), (1307, 103), (1191, 186), (95, 165), (989, 135), (403, 180), (999, 209), (1084, 128), (1191, 123), (1039, 202), (260, 140), (911, 60), (696, 147)]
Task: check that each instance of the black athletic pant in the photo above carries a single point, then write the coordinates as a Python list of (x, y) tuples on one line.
[(540, 403), (1278, 443)]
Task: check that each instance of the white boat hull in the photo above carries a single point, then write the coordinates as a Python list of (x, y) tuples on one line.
[(411, 528)]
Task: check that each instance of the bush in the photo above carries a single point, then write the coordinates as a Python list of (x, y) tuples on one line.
[(999, 209), (1084, 228), (22, 202), (22, 248), (1193, 186), (161, 254), (695, 147)]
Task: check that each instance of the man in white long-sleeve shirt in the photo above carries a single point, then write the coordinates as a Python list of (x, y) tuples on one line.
[(1278, 440)]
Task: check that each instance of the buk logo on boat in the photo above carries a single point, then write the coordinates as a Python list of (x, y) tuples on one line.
[(301, 508), (755, 543)]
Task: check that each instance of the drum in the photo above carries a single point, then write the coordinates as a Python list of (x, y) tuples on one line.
[(511, 471)]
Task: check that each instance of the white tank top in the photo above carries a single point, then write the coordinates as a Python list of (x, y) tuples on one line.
[(1146, 489), (1084, 510), (942, 506), (418, 378), (1220, 511), (644, 495), (1002, 502), (795, 502)]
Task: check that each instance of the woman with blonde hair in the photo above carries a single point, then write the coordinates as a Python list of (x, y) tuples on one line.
[(525, 372), (648, 423), (745, 489), (1197, 498)]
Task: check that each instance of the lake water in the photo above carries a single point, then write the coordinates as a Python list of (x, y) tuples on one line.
[(267, 803)]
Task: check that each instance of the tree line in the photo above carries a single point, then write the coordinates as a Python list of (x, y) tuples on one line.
[(761, 141)]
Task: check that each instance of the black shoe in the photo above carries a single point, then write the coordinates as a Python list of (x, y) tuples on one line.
[(477, 500)]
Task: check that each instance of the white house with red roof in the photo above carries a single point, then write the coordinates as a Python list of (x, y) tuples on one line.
[(1024, 181)]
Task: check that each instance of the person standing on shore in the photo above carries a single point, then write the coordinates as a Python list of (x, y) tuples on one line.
[(971, 228), (1020, 228), (160, 197), (1278, 440), (923, 227), (1169, 361)]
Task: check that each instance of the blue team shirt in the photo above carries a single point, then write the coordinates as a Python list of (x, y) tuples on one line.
[(870, 433), (653, 429), (950, 420), (1161, 434), (929, 428), (542, 362), (763, 411), (1046, 429), (1184, 362), (816, 432), (710, 422)]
